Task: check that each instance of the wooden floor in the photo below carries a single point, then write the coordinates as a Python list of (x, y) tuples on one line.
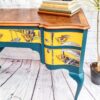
[(31, 80)]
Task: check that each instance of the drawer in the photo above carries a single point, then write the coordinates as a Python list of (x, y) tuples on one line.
[(63, 38), (20, 35), (62, 56)]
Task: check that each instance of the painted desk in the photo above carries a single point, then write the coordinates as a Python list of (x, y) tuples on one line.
[(60, 40)]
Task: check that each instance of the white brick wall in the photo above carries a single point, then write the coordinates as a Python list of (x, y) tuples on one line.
[(89, 11)]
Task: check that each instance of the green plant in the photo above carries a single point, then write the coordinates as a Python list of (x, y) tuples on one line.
[(96, 5)]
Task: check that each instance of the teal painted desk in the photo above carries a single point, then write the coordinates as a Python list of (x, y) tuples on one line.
[(60, 40)]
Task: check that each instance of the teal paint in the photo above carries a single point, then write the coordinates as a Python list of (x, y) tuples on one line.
[(83, 50), (63, 30), (1, 48), (63, 47), (42, 57), (34, 46), (79, 78), (70, 68)]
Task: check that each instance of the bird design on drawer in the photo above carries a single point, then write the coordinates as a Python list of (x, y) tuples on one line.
[(62, 39), (68, 60), (28, 35)]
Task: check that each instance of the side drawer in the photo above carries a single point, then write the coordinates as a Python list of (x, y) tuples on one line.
[(63, 38), (62, 56), (20, 35)]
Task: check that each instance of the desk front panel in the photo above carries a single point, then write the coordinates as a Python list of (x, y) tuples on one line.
[(20, 35)]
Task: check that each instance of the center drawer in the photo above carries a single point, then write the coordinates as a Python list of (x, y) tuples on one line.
[(63, 38), (20, 35), (62, 56)]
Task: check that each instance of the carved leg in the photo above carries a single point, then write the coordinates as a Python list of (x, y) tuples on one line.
[(79, 78)]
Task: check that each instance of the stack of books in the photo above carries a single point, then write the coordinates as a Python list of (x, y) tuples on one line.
[(59, 7)]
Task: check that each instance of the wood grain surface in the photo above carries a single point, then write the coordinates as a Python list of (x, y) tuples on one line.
[(31, 17)]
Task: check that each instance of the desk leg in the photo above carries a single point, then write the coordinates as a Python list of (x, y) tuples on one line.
[(1, 48), (79, 78)]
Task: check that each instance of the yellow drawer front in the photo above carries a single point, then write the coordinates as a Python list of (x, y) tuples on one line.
[(63, 38), (66, 57), (17, 35), (62, 57), (48, 56)]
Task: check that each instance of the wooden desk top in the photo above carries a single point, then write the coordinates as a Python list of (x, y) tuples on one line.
[(31, 17)]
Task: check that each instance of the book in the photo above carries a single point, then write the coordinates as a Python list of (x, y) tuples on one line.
[(57, 13), (61, 8), (69, 2), (71, 10), (57, 7)]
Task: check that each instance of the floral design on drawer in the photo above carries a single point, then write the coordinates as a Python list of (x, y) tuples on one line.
[(20, 35), (63, 39), (62, 56)]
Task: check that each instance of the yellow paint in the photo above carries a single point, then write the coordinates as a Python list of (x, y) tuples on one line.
[(57, 54), (9, 35), (6, 36), (55, 57), (60, 38), (47, 38), (48, 56)]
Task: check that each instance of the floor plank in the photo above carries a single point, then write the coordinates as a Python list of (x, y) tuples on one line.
[(43, 90), (11, 70), (13, 84), (61, 89), (6, 65), (32, 80), (93, 89), (2, 61)]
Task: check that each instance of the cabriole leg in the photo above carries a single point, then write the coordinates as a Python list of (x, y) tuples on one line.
[(79, 78)]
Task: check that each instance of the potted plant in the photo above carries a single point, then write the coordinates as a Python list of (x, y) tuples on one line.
[(95, 66)]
